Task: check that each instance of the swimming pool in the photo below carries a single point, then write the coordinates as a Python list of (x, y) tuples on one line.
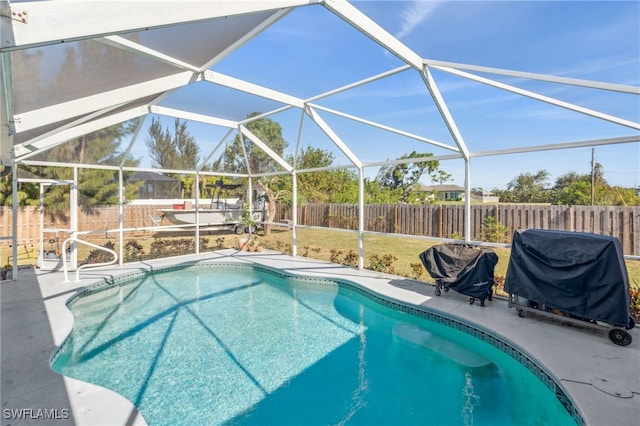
[(244, 345)]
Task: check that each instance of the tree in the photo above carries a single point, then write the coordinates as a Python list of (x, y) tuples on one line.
[(28, 193), (258, 161), (623, 196), (159, 145), (174, 150), (342, 186), (95, 186), (571, 188), (313, 186), (526, 188), (375, 193), (577, 193), (326, 186), (576, 189), (403, 177)]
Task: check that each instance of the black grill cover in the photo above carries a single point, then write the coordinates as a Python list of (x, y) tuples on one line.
[(466, 269), (580, 274)]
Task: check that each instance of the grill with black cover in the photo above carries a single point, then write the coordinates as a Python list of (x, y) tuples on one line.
[(465, 268), (574, 275)]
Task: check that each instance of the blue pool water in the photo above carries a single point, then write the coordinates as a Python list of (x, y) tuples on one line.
[(233, 345)]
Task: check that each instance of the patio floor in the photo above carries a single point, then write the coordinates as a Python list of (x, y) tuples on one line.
[(601, 378)]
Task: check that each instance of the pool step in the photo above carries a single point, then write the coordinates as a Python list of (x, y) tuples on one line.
[(446, 348)]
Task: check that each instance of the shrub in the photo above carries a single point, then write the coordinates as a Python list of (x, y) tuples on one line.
[(334, 257), (493, 231), (133, 251), (418, 270), (634, 302), (163, 248), (351, 258), (382, 264), (100, 256), (220, 241), (456, 236), (498, 285)]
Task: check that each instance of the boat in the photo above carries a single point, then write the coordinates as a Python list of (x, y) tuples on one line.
[(221, 214)]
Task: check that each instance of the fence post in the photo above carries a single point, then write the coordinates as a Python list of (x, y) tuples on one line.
[(395, 218)]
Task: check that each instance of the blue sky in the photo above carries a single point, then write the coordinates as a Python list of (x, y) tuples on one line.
[(311, 51)]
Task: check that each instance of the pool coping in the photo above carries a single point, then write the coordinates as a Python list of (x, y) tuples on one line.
[(586, 366)]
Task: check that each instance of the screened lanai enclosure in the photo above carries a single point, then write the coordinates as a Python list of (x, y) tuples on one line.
[(329, 72)]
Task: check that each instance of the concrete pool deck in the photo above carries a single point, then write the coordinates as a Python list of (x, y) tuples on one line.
[(601, 379)]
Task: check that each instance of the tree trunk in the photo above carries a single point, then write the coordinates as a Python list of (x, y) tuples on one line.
[(81, 149), (270, 205)]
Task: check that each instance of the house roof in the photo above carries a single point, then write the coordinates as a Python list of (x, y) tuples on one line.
[(443, 188)]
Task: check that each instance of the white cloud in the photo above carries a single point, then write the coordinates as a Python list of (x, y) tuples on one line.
[(414, 15)]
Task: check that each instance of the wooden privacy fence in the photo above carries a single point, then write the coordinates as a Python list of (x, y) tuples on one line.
[(96, 218), (411, 219), (446, 221)]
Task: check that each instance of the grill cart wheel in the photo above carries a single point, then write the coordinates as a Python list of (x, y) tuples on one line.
[(438, 292), (521, 313), (471, 300), (620, 337)]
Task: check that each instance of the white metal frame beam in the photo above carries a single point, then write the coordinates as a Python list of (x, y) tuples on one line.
[(542, 98), (333, 136), (535, 76), (458, 139), (251, 34), (78, 107), (375, 32), (253, 89), (192, 116), (26, 151), (130, 46), (359, 83), (444, 112), (47, 22), (256, 140), (555, 146), (387, 128), (6, 111), (85, 119), (412, 160)]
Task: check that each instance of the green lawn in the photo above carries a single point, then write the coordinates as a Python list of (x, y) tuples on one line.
[(402, 253), (319, 243)]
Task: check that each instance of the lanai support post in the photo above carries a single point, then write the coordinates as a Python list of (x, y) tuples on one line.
[(121, 199), (361, 218), (7, 151), (120, 217), (250, 201), (467, 200), (440, 103), (14, 218), (294, 214), (73, 219), (197, 200)]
